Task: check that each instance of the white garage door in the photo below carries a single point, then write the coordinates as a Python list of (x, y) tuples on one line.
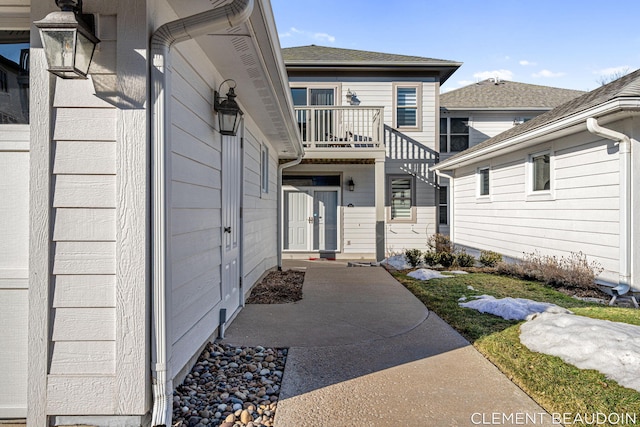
[(14, 278)]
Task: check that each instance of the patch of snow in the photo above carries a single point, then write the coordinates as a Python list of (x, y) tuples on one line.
[(426, 274), (471, 288), (511, 308), (462, 298), (457, 272), (399, 262), (611, 348)]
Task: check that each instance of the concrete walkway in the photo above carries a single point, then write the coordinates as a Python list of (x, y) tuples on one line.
[(363, 351)]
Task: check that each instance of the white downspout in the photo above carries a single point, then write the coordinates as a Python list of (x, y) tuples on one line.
[(451, 216), (279, 227), (624, 147), (230, 15)]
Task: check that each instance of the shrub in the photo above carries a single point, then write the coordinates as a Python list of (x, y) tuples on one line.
[(446, 259), (463, 259), (413, 256), (440, 243), (490, 258), (431, 258), (574, 271)]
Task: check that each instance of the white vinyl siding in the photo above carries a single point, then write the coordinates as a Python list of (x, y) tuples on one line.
[(195, 210), (84, 246), (583, 216), (259, 209)]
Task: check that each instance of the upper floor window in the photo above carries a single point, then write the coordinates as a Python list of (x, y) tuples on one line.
[(454, 134), (407, 111)]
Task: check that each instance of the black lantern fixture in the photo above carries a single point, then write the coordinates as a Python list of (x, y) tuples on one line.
[(351, 184), (68, 39), (229, 112)]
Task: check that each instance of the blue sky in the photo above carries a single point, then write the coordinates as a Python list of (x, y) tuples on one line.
[(561, 43)]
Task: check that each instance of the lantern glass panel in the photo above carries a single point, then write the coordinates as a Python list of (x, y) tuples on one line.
[(59, 46)]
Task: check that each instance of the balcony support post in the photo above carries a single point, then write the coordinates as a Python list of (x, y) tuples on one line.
[(380, 208)]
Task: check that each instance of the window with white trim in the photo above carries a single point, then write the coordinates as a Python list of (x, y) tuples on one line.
[(454, 134), (401, 198), (483, 181), (443, 214), (541, 172), (264, 169), (407, 100)]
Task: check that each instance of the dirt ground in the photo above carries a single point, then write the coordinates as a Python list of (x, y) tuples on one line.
[(278, 287)]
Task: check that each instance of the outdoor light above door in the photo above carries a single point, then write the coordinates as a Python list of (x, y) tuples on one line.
[(229, 112), (351, 184), (68, 39)]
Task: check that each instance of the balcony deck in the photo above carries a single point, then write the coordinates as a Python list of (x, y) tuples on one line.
[(341, 132)]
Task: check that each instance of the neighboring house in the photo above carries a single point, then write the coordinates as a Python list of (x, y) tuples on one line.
[(369, 122), (133, 225), (477, 112), (562, 182)]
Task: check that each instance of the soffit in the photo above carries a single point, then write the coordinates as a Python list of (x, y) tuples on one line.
[(249, 54)]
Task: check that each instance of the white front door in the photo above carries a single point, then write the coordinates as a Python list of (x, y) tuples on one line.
[(325, 224), (298, 218), (311, 219), (231, 194)]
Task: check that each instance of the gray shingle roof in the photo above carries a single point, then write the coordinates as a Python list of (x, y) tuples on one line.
[(313, 54), (504, 94), (627, 86)]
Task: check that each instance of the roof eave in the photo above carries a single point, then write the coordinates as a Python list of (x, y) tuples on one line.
[(496, 108), (567, 125)]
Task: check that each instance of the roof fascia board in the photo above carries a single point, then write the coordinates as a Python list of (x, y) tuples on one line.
[(567, 125)]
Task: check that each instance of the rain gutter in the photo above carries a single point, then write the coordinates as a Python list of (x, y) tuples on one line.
[(624, 153), (169, 34)]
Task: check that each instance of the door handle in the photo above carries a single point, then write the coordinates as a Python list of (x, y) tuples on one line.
[(227, 229), (310, 219)]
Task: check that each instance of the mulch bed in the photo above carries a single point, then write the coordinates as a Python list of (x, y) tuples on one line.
[(278, 287)]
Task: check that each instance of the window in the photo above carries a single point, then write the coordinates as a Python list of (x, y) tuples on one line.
[(14, 77), (541, 172), (401, 198), (264, 169), (454, 134), (407, 100), (483, 181), (443, 214)]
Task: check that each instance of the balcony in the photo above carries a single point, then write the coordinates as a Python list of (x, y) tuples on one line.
[(337, 132)]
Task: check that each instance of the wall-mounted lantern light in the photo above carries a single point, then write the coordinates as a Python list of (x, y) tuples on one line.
[(68, 39), (229, 112), (351, 184), (352, 98)]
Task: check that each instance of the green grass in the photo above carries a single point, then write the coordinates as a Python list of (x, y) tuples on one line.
[(557, 386)]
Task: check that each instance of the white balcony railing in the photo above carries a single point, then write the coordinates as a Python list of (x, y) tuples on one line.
[(337, 127)]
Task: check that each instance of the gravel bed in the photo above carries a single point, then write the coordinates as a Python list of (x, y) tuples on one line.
[(230, 387)]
